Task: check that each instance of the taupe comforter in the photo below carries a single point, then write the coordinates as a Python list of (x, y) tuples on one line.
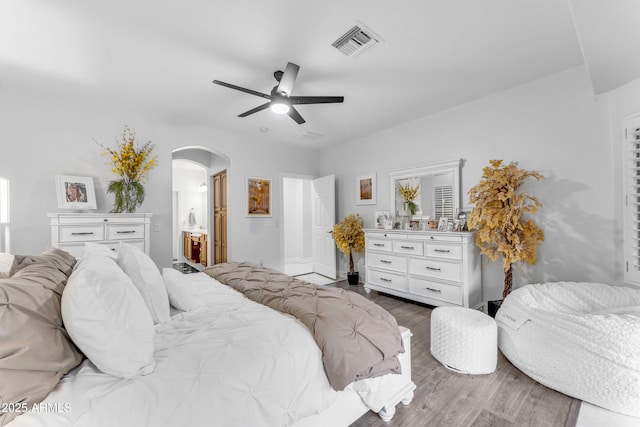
[(358, 338)]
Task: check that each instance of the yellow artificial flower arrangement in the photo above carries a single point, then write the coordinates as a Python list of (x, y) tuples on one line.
[(349, 237), (409, 194), (132, 164), (499, 216)]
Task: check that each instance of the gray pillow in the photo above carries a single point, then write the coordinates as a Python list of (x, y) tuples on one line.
[(35, 349), (60, 259)]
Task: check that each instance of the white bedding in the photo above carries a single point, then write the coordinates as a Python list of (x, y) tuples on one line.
[(230, 362), (582, 339)]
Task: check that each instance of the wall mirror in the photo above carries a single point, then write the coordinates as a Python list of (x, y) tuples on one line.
[(435, 188)]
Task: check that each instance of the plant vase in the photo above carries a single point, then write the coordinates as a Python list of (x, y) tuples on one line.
[(353, 278), (493, 307), (129, 195)]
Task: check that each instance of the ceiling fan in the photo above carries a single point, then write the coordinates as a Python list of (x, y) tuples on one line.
[(280, 99)]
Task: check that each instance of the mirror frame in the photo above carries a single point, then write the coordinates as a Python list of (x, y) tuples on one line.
[(453, 166)]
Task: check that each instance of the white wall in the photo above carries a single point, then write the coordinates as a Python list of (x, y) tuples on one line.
[(554, 125), (41, 136)]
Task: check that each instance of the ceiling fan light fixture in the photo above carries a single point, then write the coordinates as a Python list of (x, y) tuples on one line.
[(280, 107)]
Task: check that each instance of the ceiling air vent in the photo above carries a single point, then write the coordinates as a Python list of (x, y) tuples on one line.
[(311, 136), (355, 41)]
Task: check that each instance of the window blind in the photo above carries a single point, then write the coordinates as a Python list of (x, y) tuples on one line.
[(632, 201), (443, 201)]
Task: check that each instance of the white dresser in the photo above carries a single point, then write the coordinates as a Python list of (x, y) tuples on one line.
[(70, 231), (435, 268)]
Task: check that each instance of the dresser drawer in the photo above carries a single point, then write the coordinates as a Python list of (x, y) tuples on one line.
[(387, 279), (443, 250), (432, 289), (408, 247), (441, 269), (125, 231), (81, 233), (137, 243), (379, 245), (388, 262)]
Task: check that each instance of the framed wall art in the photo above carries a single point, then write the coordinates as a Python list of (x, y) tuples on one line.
[(366, 189), (75, 192), (258, 197)]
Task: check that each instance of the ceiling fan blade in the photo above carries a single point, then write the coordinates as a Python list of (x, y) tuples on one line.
[(297, 100), (288, 79), (293, 113), (242, 89), (255, 110)]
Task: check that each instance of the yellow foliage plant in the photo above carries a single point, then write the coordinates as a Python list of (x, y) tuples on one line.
[(499, 216), (132, 164), (349, 237)]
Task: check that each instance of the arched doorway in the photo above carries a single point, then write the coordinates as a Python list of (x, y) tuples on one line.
[(196, 191)]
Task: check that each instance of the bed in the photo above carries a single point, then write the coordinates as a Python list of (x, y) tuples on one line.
[(582, 339), (214, 357)]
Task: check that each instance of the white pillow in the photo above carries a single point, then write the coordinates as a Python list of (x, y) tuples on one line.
[(179, 288), (107, 319), (6, 260), (147, 278)]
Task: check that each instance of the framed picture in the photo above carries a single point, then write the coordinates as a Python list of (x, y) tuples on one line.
[(442, 223), (366, 189), (75, 192), (414, 225), (258, 197), (462, 215), (382, 218)]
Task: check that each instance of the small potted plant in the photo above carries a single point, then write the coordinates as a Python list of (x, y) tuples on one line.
[(349, 238), (499, 216)]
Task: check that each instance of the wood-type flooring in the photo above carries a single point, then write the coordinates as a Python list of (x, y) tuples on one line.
[(506, 397)]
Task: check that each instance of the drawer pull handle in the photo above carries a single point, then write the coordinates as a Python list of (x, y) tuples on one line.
[(378, 244), (384, 261), (84, 233), (444, 251), (126, 232), (434, 290), (407, 247), (432, 268), (385, 280)]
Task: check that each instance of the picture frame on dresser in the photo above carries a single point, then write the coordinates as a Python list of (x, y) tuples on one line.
[(382, 218), (75, 192)]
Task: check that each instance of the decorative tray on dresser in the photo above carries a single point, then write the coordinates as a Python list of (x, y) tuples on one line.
[(435, 268), (70, 231)]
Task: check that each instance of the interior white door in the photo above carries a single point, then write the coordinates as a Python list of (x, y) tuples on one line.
[(323, 215)]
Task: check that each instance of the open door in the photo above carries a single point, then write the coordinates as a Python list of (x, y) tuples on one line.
[(323, 218)]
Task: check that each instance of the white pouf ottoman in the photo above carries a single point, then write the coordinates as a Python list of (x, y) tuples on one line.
[(464, 340)]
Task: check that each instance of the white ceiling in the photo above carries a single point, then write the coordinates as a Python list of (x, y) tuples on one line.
[(159, 57)]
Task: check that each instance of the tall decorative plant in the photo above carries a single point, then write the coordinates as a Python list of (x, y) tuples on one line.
[(349, 237), (132, 163), (499, 215)]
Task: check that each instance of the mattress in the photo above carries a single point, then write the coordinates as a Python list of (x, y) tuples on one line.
[(230, 362), (581, 339)]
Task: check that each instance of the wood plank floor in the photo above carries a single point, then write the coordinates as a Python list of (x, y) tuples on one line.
[(445, 398)]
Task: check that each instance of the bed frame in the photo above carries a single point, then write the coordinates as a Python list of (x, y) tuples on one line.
[(348, 407)]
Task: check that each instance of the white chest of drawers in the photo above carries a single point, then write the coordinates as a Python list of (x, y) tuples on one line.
[(70, 231), (435, 268)]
